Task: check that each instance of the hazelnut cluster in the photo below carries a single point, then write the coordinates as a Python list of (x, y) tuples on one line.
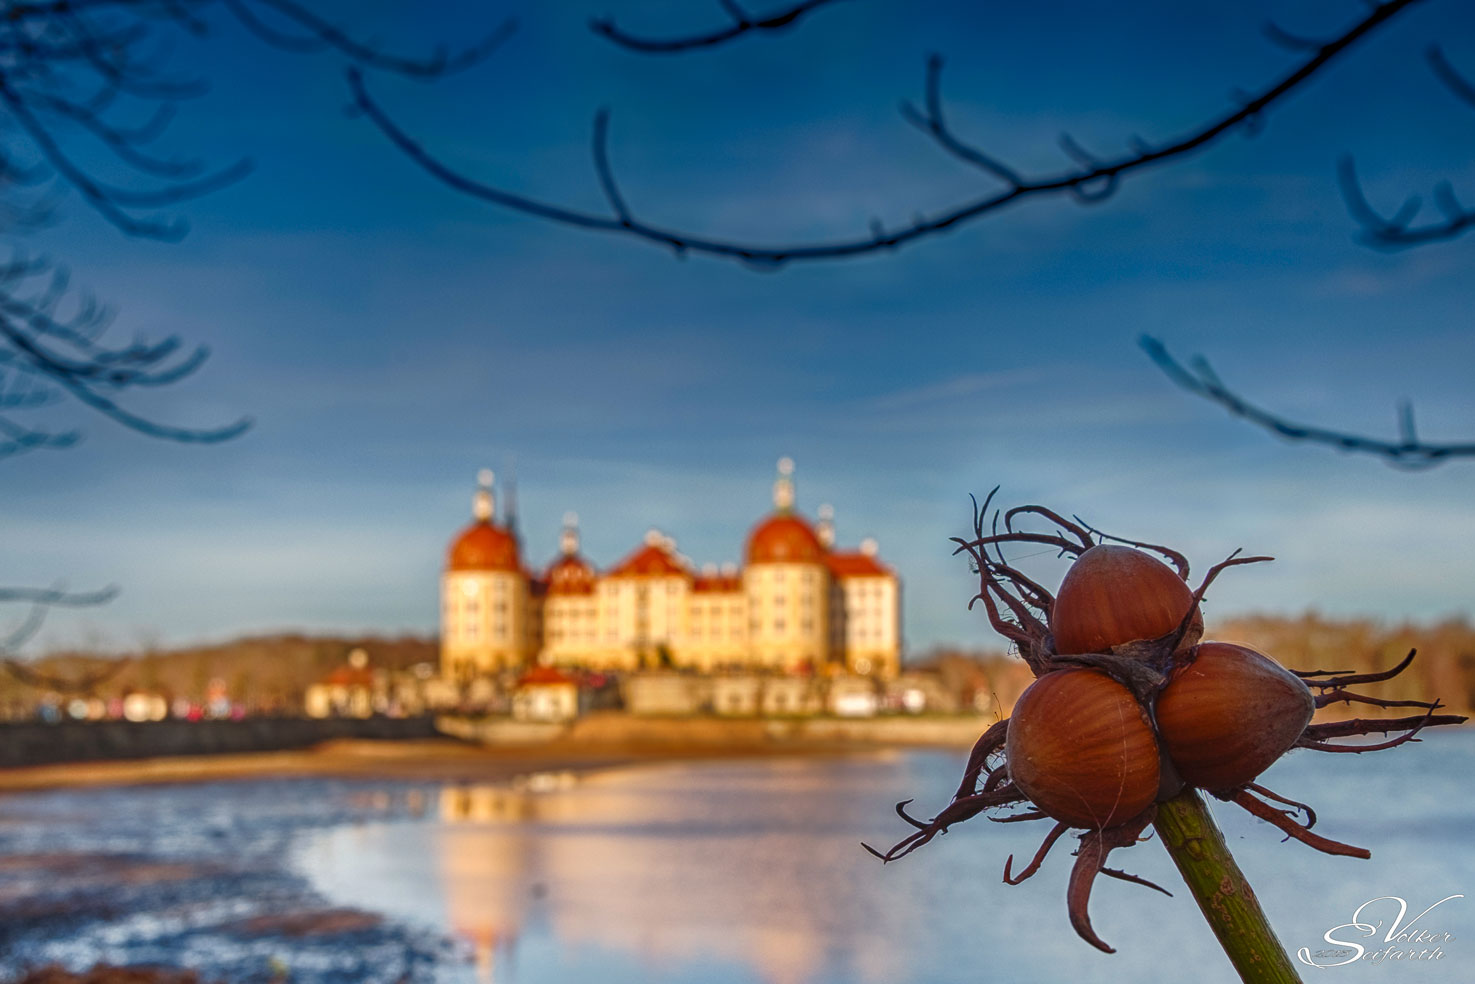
[(1130, 706)]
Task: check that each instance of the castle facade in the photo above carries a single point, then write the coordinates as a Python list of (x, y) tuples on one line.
[(798, 604)]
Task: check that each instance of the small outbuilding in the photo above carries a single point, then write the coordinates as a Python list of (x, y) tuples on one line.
[(545, 694)]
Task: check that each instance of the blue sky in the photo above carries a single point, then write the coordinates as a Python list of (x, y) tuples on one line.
[(391, 337)]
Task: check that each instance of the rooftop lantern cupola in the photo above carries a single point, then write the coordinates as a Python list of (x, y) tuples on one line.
[(784, 537), (484, 546), (568, 540), (783, 486), (483, 505)]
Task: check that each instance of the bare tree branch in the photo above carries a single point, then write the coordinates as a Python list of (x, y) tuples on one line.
[(46, 353), (742, 23), (56, 596), (1397, 231), (51, 51), (70, 68), (41, 601), (1408, 452), (931, 121), (1449, 75), (1288, 40), (41, 680), (1092, 181), (73, 74), (319, 33)]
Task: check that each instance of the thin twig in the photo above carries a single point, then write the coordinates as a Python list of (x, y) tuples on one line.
[(1397, 231), (1200, 379), (742, 23)]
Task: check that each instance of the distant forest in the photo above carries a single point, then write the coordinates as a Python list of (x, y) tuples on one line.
[(270, 672), (1444, 667)]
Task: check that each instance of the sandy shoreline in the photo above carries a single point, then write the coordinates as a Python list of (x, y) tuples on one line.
[(438, 760)]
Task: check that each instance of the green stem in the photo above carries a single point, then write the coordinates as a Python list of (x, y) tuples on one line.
[(1228, 903)]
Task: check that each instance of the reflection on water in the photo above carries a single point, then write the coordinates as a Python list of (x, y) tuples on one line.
[(753, 872), (682, 867)]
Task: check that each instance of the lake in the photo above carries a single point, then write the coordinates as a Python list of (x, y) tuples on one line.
[(740, 871)]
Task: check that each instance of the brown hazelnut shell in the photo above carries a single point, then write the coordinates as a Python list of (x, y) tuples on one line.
[(1114, 595), (1227, 713), (1080, 747)]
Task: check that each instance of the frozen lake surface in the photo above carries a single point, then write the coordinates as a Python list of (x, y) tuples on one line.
[(675, 874)]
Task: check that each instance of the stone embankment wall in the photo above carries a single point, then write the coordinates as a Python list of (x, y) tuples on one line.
[(613, 729), (29, 743), (83, 741)]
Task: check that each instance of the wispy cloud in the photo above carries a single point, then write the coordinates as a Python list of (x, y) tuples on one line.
[(961, 387)]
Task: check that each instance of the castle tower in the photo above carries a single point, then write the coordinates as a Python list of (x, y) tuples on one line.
[(787, 584), (484, 595), (570, 608)]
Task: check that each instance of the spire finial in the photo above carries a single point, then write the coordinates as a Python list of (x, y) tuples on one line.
[(826, 528), (481, 503), (783, 486), (568, 541)]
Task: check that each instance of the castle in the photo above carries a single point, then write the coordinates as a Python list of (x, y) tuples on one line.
[(797, 605)]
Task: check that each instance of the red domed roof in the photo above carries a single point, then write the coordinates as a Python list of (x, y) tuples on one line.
[(483, 547), (784, 538), (570, 574)]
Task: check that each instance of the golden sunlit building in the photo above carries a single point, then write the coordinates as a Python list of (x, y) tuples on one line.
[(798, 604)]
